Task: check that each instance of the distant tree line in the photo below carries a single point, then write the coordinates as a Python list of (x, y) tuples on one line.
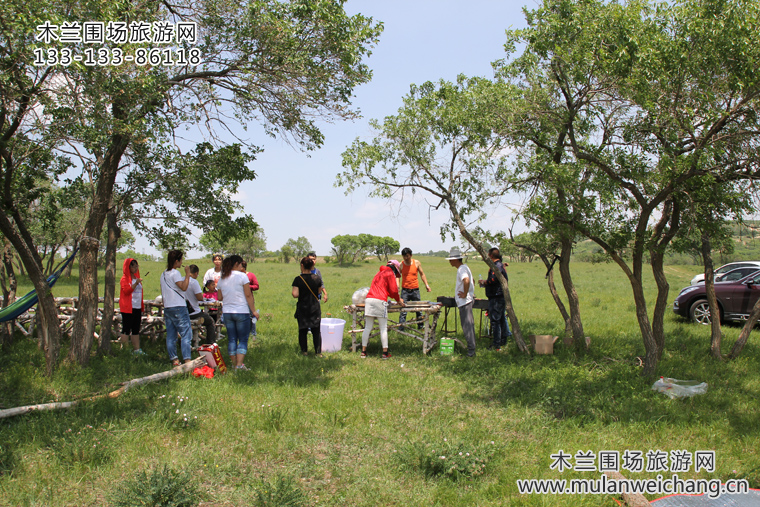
[(349, 248)]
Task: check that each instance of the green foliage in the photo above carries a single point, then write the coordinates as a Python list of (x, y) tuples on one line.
[(163, 487), (141, 256), (166, 192), (631, 125), (385, 247), (453, 460), (346, 248), (250, 244), (296, 248), (56, 218), (282, 492), (354, 248), (440, 142), (286, 253), (285, 65)]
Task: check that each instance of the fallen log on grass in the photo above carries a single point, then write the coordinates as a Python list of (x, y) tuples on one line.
[(630, 499), (177, 370)]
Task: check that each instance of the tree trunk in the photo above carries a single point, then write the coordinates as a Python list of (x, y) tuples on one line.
[(48, 331), (557, 301), (50, 262), (662, 234), (568, 339), (661, 304), (652, 349), (106, 324), (70, 267), (177, 370), (630, 499), (87, 307), (746, 330), (86, 316), (652, 355), (576, 324), (9, 285), (712, 300)]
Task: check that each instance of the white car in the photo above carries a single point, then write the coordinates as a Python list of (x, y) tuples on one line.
[(700, 278)]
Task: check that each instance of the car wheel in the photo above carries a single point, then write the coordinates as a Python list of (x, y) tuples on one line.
[(700, 312)]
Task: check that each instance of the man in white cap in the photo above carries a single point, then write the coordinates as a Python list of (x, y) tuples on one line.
[(464, 295)]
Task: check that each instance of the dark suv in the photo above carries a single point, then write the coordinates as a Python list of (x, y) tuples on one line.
[(735, 299)]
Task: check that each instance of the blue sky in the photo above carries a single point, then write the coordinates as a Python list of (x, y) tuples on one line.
[(293, 194)]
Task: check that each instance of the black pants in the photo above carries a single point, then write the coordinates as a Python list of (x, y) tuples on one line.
[(209, 324), (303, 339)]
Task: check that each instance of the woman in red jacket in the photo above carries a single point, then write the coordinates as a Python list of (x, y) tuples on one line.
[(383, 285), (131, 305)]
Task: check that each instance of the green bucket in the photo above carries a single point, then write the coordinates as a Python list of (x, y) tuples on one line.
[(447, 346)]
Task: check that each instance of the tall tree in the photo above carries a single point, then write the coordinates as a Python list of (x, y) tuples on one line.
[(299, 247), (440, 143), (546, 248), (282, 64), (344, 247), (384, 247), (661, 105), (705, 228)]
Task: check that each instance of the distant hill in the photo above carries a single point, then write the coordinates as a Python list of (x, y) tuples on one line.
[(746, 248)]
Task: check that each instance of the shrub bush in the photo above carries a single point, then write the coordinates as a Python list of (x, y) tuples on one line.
[(283, 492), (447, 459), (162, 487)]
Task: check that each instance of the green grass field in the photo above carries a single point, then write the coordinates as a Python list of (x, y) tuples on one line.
[(346, 431)]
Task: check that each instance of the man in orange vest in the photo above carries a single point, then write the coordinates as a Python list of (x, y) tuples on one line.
[(410, 286)]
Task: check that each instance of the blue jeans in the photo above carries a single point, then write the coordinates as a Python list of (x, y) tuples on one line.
[(178, 323), (238, 328), (410, 295), (499, 324)]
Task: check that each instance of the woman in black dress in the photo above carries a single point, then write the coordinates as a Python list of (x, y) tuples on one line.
[(306, 286)]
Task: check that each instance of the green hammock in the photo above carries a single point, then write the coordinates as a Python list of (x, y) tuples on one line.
[(30, 299)]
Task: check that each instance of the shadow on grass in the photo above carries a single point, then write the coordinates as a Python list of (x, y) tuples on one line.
[(278, 363), (606, 386)]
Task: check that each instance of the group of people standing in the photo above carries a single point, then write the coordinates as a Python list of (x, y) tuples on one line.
[(400, 281), (464, 295), (181, 294), (230, 282)]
